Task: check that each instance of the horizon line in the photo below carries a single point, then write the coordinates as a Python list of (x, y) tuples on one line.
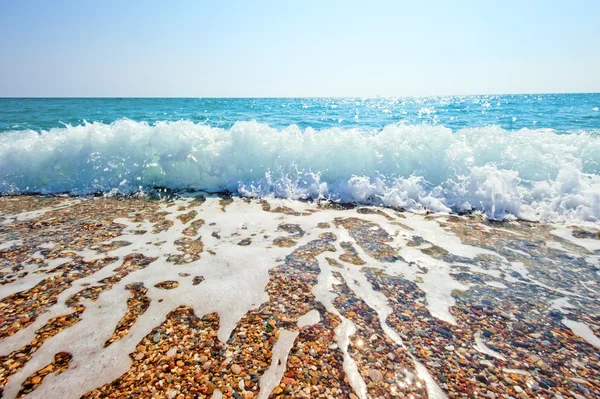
[(293, 97)]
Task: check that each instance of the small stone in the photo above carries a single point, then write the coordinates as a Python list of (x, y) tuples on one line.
[(547, 383), (444, 331), (36, 379), (156, 338), (235, 369), (210, 388), (375, 375), (277, 390), (172, 352), (139, 356)]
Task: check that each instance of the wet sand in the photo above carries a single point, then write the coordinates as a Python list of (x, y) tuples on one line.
[(217, 296)]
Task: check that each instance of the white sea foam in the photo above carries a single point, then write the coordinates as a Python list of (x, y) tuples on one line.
[(532, 174), (582, 330)]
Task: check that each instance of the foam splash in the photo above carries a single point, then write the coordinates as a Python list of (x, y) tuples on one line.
[(582, 330), (532, 174)]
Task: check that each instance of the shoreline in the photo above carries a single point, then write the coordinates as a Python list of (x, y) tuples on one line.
[(256, 298), (155, 195)]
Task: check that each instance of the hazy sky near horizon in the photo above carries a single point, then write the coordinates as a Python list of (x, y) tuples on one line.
[(298, 48)]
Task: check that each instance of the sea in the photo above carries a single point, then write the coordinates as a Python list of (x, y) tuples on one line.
[(532, 157)]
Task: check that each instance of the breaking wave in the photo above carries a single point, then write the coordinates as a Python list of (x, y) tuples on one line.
[(531, 174)]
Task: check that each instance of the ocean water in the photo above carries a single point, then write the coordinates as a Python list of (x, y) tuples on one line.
[(534, 157)]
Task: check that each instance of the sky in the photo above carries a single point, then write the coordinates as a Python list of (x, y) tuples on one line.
[(297, 48)]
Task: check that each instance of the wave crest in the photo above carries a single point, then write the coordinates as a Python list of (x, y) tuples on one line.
[(532, 174)]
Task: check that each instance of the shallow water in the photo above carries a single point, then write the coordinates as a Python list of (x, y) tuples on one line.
[(203, 295)]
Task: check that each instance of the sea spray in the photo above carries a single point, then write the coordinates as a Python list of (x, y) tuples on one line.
[(532, 174)]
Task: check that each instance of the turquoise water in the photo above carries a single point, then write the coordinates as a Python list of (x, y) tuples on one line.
[(562, 112), (528, 156)]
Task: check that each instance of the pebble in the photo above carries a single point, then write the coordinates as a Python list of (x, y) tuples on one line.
[(235, 369), (210, 388), (172, 352), (375, 375)]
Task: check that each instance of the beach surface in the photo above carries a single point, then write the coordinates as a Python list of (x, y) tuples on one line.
[(214, 296)]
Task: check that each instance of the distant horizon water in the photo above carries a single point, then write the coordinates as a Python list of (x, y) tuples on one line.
[(553, 93), (531, 156)]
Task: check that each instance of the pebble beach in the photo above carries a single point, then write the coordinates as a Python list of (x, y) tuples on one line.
[(200, 295)]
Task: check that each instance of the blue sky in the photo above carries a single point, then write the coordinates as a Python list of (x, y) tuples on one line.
[(298, 48)]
